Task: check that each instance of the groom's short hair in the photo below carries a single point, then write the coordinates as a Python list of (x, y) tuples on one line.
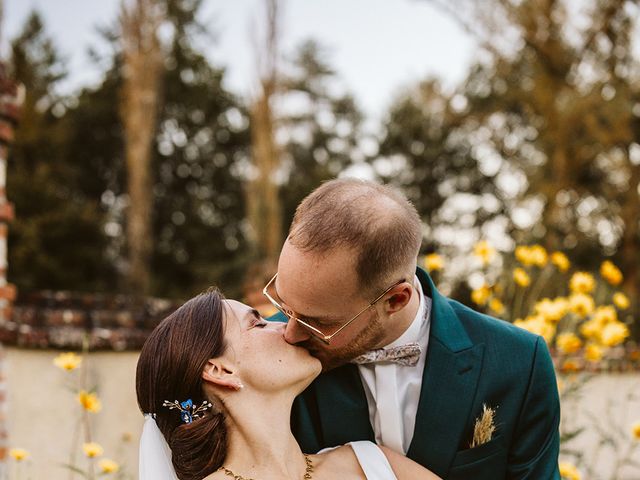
[(377, 222)]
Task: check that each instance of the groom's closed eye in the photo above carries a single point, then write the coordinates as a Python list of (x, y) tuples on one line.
[(321, 322)]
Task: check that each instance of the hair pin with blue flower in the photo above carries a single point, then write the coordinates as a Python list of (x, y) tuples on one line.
[(188, 411)]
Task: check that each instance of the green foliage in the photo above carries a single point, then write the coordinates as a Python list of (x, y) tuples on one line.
[(322, 127), (56, 240)]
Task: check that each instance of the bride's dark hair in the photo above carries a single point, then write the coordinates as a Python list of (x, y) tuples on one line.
[(170, 368)]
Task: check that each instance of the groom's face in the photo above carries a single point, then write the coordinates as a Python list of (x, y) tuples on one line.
[(323, 290)]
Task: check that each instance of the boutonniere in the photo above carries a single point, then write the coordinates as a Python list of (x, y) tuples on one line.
[(484, 427)]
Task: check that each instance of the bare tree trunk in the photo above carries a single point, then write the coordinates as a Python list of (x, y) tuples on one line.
[(143, 66), (264, 210), (630, 247)]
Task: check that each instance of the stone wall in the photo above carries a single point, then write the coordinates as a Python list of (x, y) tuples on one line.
[(41, 411)]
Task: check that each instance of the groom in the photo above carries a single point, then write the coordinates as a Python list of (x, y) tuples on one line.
[(405, 366)]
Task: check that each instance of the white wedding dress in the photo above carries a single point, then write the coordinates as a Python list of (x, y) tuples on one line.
[(155, 456), (372, 460)]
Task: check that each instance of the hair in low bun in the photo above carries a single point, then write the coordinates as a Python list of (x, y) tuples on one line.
[(199, 448), (170, 367)]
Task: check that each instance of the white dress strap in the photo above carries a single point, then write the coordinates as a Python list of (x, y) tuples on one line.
[(373, 461)]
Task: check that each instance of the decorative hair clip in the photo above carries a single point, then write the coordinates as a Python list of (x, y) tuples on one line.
[(188, 411)]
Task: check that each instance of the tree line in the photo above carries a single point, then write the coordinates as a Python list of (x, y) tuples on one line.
[(161, 181)]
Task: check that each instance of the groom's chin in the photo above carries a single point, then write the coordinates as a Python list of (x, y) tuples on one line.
[(331, 359)]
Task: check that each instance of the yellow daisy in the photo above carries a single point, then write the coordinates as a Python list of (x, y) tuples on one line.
[(481, 295), (569, 471), (108, 466), (568, 342), (621, 300), (521, 277), (614, 333), (19, 454), (92, 449), (593, 352), (611, 273), (582, 282), (67, 361), (561, 261), (89, 401), (433, 262), (484, 251), (581, 304)]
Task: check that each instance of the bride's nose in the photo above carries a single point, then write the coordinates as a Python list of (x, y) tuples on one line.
[(279, 326)]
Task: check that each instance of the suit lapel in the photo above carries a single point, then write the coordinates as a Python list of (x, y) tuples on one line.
[(448, 388), (342, 406)]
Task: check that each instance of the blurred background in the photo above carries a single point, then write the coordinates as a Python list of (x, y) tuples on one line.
[(151, 148)]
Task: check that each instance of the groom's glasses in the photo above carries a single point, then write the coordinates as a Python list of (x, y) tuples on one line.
[(269, 291)]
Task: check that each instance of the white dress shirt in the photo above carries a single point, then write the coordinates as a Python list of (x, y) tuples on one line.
[(392, 390)]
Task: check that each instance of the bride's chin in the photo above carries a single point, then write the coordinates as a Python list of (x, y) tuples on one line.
[(315, 368)]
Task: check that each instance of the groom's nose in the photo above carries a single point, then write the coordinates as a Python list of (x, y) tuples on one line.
[(294, 333)]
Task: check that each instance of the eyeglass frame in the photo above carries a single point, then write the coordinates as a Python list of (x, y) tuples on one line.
[(316, 332)]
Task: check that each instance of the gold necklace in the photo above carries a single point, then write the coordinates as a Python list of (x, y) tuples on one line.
[(307, 473)]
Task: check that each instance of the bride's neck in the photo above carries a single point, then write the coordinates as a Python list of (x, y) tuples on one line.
[(260, 443)]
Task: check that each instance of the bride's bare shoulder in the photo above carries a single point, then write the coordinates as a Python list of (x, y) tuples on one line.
[(340, 463), (217, 475)]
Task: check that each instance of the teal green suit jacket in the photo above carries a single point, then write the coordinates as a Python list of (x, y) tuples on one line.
[(472, 359)]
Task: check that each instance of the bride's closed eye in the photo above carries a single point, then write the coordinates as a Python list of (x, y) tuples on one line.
[(257, 321)]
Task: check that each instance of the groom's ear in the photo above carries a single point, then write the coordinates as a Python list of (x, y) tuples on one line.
[(398, 297), (219, 373)]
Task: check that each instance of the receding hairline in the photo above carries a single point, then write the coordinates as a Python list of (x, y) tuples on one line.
[(375, 220)]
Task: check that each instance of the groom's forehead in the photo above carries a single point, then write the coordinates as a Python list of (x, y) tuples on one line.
[(310, 297)]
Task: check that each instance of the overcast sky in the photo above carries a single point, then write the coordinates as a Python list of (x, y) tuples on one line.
[(377, 46)]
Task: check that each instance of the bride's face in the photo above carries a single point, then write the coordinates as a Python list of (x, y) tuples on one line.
[(263, 360)]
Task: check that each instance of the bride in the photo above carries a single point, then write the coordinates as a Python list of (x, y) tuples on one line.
[(216, 383)]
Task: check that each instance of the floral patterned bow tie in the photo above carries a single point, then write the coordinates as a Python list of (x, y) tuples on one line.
[(406, 355)]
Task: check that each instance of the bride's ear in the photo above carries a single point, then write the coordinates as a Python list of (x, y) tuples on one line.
[(220, 374)]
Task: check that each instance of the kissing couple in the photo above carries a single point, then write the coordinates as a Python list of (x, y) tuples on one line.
[(365, 372)]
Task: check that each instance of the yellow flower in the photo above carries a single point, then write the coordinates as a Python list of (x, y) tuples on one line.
[(568, 471), (67, 361), (433, 262), (569, 366), (497, 306), (521, 277), (582, 282), (480, 296), (581, 304), (592, 329), (552, 310), (538, 326), (484, 251), (92, 449), (614, 333), (635, 430), (606, 314), (108, 466), (611, 273), (568, 343), (89, 401), (561, 261), (524, 255), (621, 300), (593, 352), (19, 454), (539, 255)]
